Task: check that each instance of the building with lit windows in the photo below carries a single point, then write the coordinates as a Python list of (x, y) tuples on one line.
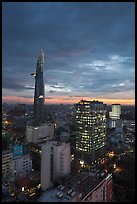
[(114, 116), (90, 131), (116, 111)]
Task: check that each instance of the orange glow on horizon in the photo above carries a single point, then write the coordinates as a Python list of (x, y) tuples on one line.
[(66, 100), (17, 99)]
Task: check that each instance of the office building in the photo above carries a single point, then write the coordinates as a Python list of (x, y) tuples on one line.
[(116, 112), (55, 162), (38, 134), (39, 95), (113, 123), (90, 131), (114, 116)]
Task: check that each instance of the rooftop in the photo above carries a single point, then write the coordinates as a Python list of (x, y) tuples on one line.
[(77, 186), (28, 180), (22, 182)]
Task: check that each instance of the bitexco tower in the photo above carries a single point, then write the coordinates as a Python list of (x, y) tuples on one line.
[(39, 95)]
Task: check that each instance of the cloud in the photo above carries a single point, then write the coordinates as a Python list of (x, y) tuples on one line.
[(89, 47), (51, 91), (57, 87), (30, 87)]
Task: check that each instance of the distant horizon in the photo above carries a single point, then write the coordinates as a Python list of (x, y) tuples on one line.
[(58, 104), (30, 101)]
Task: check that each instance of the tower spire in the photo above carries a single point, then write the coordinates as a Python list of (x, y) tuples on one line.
[(41, 56), (39, 95)]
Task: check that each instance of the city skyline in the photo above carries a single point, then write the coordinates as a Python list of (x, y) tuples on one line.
[(89, 51)]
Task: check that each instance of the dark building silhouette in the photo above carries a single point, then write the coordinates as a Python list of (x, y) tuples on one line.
[(39, 96)]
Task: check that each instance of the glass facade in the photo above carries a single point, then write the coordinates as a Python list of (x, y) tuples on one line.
[(39, 91)]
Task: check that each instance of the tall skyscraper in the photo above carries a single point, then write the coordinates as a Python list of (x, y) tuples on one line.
[(39, 96), (90, 131)]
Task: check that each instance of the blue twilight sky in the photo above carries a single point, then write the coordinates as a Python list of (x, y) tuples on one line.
[(89, 49)]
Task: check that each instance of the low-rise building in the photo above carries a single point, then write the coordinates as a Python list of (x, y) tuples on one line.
[(86, 186), (6, 195), (21, 165)]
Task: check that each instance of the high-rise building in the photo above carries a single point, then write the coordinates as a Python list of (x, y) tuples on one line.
[(114, 116), (116, 111), (55, 162), (6, 164), (90, 131), (39, 96)]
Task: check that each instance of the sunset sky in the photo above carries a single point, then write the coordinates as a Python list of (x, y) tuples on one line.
[(89, 51)]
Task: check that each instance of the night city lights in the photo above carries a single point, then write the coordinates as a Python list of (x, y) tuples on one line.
[(68, 102)]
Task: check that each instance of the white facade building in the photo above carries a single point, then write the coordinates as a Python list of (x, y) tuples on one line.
[(116, 111), (39, 134), (6, 163), (55, 162), (21, 165)]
